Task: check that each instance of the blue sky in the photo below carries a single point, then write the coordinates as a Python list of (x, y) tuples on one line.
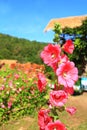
[(28, 18)]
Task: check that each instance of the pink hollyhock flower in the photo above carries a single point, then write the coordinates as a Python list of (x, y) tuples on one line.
[(10, 84), (69, 90), (2, 87), (2, 105), (41, 82), (43, 118), (68, 46), (58, 98), (16, 76), (63, 59), (51, 54), (67, 74), (57, 125), (71, 110), (54, 66), (9, 104)]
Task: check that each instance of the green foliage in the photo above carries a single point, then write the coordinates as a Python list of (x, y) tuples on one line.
[(80, 54), (20, 49), (57, 29), (68, 30), (83, 30)]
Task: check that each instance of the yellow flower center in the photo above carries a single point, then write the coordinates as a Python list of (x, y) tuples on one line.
[(64, 74), (53, 56)]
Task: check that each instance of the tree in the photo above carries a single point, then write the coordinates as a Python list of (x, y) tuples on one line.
[(80, 41)]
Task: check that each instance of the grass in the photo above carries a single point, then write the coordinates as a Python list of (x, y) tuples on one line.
[(26, 123), (83, 126)]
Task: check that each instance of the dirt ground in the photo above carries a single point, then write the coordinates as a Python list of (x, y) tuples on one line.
[(80, 102)]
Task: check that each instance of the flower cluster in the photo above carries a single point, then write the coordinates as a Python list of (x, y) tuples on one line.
[(19, 95), (66, 75)]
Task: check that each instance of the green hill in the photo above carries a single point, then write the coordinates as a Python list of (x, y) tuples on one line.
[(20, 49)]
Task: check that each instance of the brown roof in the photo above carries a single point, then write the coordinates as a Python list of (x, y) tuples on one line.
[(66, 22)]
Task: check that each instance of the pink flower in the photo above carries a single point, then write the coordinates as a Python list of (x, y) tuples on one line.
[(69, 90), (2, 87), (58, 98), (41, 82), (71, 110), (43, 118), (68, 46), (51, 54), (10, 84), (16, 76), (9, 104), (54, 66), (2, 105), (57, 125), (67, 74), (63, 59)]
